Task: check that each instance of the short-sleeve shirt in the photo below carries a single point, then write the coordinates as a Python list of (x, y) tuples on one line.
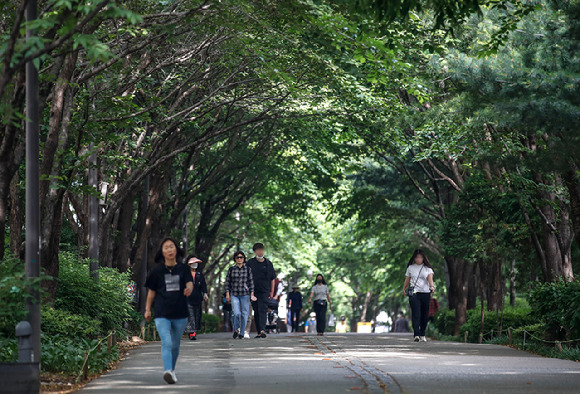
[(419, 277), (263, 273), (170, 302), (319, 292)]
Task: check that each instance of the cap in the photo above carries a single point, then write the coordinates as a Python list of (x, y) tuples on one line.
[(194, 260), (295, 286)]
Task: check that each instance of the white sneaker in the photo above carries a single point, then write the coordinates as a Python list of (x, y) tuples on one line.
[(169, 377), (423, 339), (246, 335), (174, 376), (417, 339)]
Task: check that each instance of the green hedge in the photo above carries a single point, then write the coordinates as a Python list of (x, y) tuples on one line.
[(59, 322), (512, 317), (106, 300), (557, 304), (211, 323)]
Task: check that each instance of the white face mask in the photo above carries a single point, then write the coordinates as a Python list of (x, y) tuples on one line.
[(194, 266)]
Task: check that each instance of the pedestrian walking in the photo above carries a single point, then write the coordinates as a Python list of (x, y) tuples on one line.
[(227, 310), (418, 287), (264, 282), (321, 297), (294, 307), (196, 298), (401, 324), (240, 291), (169, 284), (433, 308)]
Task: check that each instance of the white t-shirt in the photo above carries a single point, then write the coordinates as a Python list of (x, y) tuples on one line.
[(422, 285)]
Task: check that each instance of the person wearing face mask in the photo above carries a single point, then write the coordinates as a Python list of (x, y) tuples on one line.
[(264, 284), (194, 301), (320, 295)]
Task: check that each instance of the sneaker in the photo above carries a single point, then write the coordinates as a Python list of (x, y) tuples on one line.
[(169, 377), (192, 337), (417, 339), (246, 335), (174, 376), (423, 339), (236, 334), (263, 334)]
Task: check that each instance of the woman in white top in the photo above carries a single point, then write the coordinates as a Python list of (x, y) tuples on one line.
[(419, 276), (320, 295)]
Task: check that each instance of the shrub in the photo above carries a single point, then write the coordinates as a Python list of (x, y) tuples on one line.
[(66, 355), (106, 299), (444, 321), (211, 323), (13, 293), (60, 322), (8, 350), (512, 317), (558, 305)]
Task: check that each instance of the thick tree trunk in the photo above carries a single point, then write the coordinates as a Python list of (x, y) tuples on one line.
[(365, 307), (513, 283), (459, 272), (123, 248), (494, 285)]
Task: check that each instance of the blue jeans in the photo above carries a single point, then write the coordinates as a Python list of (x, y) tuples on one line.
[(170, 332), (240, 312)]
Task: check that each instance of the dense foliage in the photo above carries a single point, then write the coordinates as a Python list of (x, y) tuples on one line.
[(342, 134)]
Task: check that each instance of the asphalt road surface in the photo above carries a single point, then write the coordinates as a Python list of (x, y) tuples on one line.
[(339, 363)]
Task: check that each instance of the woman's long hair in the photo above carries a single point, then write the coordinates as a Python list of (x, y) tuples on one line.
[(416, 253), (159, 255), (316, 277)]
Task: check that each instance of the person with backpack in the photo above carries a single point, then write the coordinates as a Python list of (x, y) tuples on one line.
[(240, 291), (194, 301), (418, 287), (169, 284), (264, 282)]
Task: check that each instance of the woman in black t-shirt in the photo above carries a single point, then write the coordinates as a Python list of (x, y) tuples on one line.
[(169, 284)]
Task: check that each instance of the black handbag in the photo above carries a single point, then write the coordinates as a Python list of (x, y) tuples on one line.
[(321, 303), (411, 289)]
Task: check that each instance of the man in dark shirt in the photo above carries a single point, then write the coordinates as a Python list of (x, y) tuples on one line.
[(264, 280), (295, 305)]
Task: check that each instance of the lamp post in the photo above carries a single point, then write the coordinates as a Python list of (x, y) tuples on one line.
[(32, 253)]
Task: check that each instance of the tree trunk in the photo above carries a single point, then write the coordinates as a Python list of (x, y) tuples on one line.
[(16, 216), (494, 285), (572, 181), (363, 315)]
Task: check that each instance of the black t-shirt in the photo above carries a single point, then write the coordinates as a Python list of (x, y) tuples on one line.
[(263, 273), (170, 302)]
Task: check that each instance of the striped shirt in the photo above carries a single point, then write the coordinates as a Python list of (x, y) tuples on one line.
[(239, 281)]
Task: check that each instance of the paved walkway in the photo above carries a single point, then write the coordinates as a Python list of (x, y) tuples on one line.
[(339, 363)]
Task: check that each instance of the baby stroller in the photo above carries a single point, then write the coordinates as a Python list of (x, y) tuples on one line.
[(272, 317)]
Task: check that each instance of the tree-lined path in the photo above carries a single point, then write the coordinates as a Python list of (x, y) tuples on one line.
[(341, 363)]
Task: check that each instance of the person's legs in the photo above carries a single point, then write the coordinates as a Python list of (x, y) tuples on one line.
[(197, 317), (245, 312), (425, 299), (415, 304), (236, 314), (322, 326), (164, 329), (260, 309), (294, 315), (177, 329), (190, 327)]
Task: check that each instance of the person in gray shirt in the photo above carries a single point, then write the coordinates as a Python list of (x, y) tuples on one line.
[(320, 295)]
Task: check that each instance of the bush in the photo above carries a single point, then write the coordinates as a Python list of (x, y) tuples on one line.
[(444, 321), (512, 317), (57, 322), (8, 350), (66, 355), (211, 323), (13, 293), (106, 299), (558, 305)]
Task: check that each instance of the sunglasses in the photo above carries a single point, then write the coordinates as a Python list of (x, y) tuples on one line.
[(239, 257)]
